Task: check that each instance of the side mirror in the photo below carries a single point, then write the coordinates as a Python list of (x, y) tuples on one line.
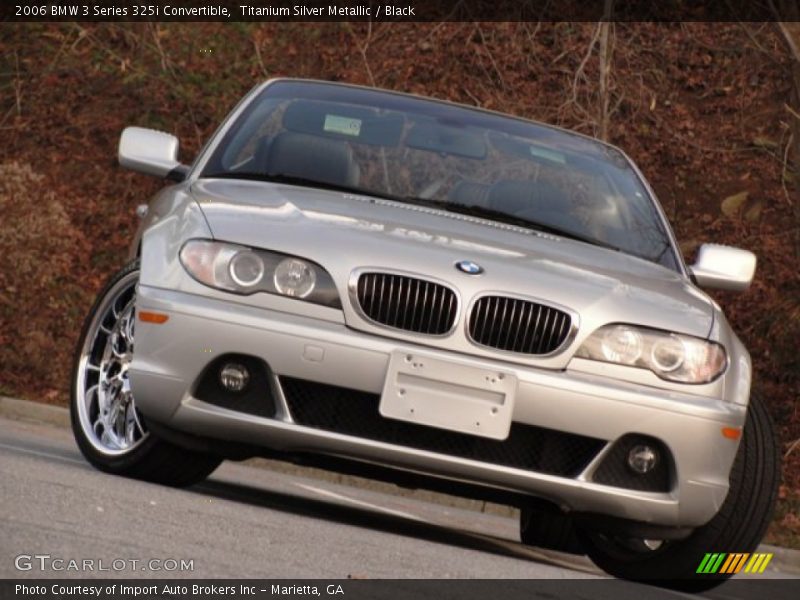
[(151, 152), (724, 268)]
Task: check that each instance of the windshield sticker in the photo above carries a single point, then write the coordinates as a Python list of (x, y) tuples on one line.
[(343, 125), (547, 154)]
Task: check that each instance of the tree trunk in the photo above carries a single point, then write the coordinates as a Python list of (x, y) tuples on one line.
[(606, 50), (791, 33), (605, 69)]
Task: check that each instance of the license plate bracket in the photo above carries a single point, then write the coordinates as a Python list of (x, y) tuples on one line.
[(449, 395)]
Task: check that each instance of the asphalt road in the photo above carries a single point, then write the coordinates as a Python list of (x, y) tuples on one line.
[(248, 522)]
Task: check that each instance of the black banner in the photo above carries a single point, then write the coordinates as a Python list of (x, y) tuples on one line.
[(399, 10), (366, 589)]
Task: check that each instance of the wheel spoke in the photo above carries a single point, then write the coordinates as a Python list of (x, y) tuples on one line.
[(115, 351), (107, 411), (120, 427), (132, 424), (137, 420), (113, 413), (87, 398)]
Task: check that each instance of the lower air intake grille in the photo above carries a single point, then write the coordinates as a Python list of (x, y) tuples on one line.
[(517, 325), (351, 412), (407, 303)]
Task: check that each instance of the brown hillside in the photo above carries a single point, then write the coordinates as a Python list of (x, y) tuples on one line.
[(700, 107)]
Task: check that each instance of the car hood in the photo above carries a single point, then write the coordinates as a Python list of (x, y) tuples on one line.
[(343, 232)]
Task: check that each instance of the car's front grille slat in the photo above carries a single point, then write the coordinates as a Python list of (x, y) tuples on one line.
[(417, 318), (517, 325), (509, 330), (543, 332), (407, 303), (375, 296), (497, 311), (390, 312), (451, 305), (428, 317)]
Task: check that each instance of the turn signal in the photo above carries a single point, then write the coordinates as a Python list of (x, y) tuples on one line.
[(732, 433), (152, 317)]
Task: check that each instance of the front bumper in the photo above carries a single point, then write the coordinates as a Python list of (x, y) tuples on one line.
[(170, 358)]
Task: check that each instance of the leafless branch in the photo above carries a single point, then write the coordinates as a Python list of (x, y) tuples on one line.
[(456, 7), (756, 44), (579, 72), (491, 57), (155, 30), (794, 445), (363, 49), (17, 84), (259, 59), (785, 167), (472, 96)]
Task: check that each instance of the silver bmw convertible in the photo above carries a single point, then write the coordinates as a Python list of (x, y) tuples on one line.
[(441, 297)]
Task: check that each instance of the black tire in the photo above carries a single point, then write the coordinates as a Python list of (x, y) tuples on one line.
[(739, 525), (548, 529), (151, 458)]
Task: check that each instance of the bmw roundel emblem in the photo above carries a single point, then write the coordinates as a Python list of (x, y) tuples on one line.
[(469, 267)]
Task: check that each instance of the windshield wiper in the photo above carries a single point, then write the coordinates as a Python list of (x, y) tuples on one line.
[(475, 210)]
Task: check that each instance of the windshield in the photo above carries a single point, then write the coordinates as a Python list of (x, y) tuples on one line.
[(455, 158)]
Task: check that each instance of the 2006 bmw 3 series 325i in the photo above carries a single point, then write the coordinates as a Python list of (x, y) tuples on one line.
[(438, 296)]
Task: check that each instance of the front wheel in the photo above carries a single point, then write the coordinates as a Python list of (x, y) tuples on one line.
[(549, 529), (108, 428), (737, 528)]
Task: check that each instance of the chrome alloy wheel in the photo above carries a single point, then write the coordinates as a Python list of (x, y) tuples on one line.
[(106, 409)]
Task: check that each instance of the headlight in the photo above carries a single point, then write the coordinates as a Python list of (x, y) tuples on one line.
[(244, 270), (671, 356), (294, 277), (621, 345)]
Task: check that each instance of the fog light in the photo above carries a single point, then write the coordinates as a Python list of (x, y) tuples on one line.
[(234, 377), (642, 459)]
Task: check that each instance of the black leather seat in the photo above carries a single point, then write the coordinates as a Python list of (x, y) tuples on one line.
[(303, 155)]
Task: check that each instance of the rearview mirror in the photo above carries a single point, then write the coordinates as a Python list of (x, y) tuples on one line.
[(151, 152), (724, 267)]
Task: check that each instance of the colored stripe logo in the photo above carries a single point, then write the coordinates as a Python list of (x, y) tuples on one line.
[(724, 563)]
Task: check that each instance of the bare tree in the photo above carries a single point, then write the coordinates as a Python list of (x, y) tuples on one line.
[(791, 155), (598, 109), (788, 13), (606, 52), (791, 33)]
